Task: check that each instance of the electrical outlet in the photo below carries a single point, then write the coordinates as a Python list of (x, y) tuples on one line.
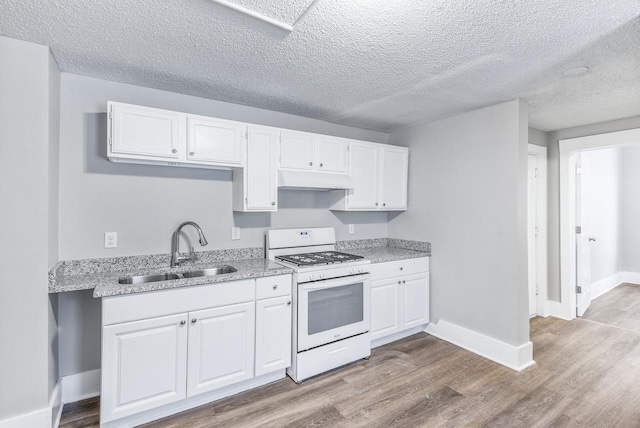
[(352, 229), (110, 239), (235, 233)]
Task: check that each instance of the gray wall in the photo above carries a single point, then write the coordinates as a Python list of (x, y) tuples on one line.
[(604, 210), (24, 135), (553, 177), (538, 137), (467, 195), (144, 204), (631, 209)]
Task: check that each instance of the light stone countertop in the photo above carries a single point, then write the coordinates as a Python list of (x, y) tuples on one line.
[(102, 275)]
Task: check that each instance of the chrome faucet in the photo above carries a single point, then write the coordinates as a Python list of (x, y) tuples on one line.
[(176, 257)]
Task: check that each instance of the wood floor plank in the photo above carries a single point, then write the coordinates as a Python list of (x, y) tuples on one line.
[(587, 374)]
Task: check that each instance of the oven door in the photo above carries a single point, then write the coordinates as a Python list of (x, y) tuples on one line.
[(332, 310)]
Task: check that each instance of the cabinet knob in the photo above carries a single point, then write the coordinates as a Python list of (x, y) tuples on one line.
[(183, 322), (193, 321), (310, 163), (404, 281), (191, 153), (273, 203), (384, 205), (399, 282), (289, 302), (174, 151), (321, 165), (401, 268), (376, 204), (275, 286)]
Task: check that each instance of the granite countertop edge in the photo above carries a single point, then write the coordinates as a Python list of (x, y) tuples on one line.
[(105, 282)]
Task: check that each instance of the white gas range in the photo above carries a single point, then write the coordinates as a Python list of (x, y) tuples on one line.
[(331, 300)]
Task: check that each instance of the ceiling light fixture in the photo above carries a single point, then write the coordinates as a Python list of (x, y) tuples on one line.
[(577, 71)]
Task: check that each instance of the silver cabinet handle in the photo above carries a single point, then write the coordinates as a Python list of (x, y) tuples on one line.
[(275, 286), (404, 281), (384, 205), (399, 282), (310, 163), (591, 238), (194, 320), (289, 302), (321, 165), (174, 151), (191, 153), (273, 203), (376, 204), (183, 322), (401, 268)]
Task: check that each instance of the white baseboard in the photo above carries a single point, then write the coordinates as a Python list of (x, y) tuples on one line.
[(515, 357), (631, 277), (80, 386), (606, 284), (554, 309), (37, 419)]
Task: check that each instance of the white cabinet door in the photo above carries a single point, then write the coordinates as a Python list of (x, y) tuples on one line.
[(385, 308), (332, 154), (273, 334), (415, 295), (395, 162), (143, 132), (144, 365), (364, 163), (214, 141), (221, 346), (297, 150), (262, 172)]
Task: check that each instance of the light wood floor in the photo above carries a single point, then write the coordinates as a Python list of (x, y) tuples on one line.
[(619, 307), (587, 375)]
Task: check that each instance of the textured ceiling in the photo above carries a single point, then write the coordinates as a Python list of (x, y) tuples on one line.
[(374, 64)]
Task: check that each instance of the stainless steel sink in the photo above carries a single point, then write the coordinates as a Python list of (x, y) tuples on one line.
[(210, 272), (143, 279)]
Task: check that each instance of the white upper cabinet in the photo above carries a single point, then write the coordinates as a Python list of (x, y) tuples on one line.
[(379, 173), (143, 132), (311, 152), (393, 187), (297, 150), (332, 154), (255, 188), (214, 140)]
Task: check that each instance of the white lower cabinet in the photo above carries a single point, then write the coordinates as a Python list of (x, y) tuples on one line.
[(151, 360), (399, 296), (273, 334), (143, 365), (220, 347)]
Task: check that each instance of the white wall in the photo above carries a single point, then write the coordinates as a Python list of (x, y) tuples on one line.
[(467, 195), (553, 156), (538, 137), (144, 204), (631, 209), (24, 192), (604, 210)]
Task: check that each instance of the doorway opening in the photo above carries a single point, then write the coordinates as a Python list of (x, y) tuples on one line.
[(537, 229), (594, 203)]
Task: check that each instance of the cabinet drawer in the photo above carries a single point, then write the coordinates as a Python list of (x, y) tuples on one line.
[(273, 286), (399, 268)]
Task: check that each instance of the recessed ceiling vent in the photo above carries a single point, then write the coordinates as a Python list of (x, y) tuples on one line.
[(282, 14)]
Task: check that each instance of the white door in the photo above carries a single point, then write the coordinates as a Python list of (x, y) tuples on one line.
[(583, 248), (221, 348), (415, 300), (364, 164), (385, 308), (262, 173), (273, 334), (144, 132), (532, 233), (144, 365), (395, 161), (332, 154), (297, 150), (214, 141)]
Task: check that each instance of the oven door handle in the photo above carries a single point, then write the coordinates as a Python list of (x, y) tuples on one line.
[(333, 283)]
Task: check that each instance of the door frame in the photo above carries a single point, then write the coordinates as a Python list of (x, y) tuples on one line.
[(568, 150), (541, 221)]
